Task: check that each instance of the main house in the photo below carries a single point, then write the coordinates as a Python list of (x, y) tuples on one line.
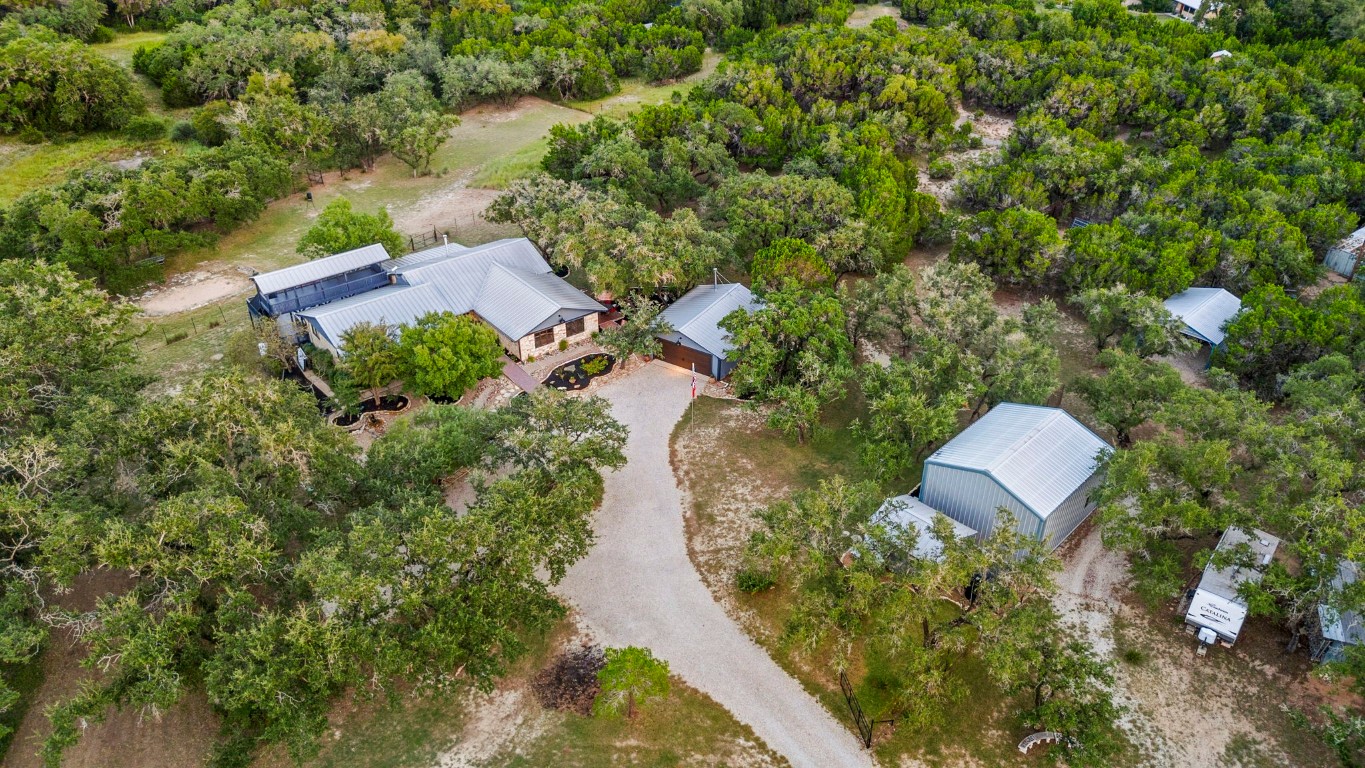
[(1039, 463), (697, 341), (507, 284)]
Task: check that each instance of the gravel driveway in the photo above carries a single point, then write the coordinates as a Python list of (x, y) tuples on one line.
[(638, 587)]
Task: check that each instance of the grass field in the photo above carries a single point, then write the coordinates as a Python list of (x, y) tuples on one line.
[(635, 92), (509, 729), (24, 167)]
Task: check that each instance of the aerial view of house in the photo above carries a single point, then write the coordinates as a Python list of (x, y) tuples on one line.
[(583, 383)]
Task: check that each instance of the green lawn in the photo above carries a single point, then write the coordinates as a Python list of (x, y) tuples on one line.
[(445, 200), (635, 92), (24, 167)]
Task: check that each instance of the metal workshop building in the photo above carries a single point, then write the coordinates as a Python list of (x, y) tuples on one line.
[(1338, 629), (1037, 462), (1204, 312)]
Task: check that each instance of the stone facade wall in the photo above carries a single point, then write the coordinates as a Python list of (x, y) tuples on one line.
[(527, 345)]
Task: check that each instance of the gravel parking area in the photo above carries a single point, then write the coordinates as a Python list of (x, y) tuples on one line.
[(638, 587)]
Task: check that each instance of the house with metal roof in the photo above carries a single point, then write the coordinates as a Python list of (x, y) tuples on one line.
[(1338, 628), (1039, 463), (1217, 608), (1204, 312), (697, 340), (1344, 258), (281, 293), (507, 284)]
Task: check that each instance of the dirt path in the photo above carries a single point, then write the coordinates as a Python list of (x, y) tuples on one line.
[(1184, 711), (638, 587)]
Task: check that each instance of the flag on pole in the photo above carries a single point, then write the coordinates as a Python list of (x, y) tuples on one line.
[(694, 381)]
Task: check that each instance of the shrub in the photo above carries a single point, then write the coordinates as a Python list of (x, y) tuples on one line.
[(595, 366), (1134, 657), (102, 34), (146, 128), (753, 580), (563, 344), (942, 168), (177, 336), (183, 130)]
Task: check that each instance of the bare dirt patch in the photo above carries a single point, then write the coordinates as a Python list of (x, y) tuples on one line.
[(994, 130), (864, 15), (1184, 711), (211, 282)]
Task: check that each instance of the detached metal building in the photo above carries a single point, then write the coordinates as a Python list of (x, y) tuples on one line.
[(1205, 312), (1344, 257), (910, 515), (697, 338), (1338, 629), (1216, 607), (1037, 462)]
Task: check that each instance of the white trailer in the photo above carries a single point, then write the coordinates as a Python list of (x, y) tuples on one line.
[(1216, 610)]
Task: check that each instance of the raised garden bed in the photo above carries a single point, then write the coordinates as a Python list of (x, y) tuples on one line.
[(390, 404), (577, 374)]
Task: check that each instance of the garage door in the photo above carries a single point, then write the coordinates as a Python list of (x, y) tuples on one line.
[(686, 357)]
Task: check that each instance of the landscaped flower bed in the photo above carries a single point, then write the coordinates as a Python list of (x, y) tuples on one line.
[(390, 404), (577, 374)]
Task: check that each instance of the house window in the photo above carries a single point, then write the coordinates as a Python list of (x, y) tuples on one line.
[(573, 327), (544, 338)]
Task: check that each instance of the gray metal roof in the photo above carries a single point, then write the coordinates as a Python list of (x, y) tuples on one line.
[(320, 269), (506, 282), (907, 512), (518, 302), (392, 304), (422, 257), (697, 315), (1343, 626), (1204, 311), (1039, 455), (1224, 581)]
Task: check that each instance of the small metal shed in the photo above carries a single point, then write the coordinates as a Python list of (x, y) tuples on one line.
[(1344, 257), (907, 513), (1037, 462), (1216, 605), (1338, 629), (1205, 312)]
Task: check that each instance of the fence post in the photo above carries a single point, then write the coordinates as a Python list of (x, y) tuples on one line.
[(195, 326)]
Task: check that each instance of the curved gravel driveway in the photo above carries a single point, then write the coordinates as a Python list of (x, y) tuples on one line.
[(638, 587)]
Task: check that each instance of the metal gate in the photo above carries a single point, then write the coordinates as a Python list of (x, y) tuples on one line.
[(859, 718)]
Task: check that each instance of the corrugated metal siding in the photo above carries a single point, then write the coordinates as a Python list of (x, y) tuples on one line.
[(1204, 311), (1038, 455), (973, 498), (698, 313), (1344, 257), (1070, 513), (320, 269)]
